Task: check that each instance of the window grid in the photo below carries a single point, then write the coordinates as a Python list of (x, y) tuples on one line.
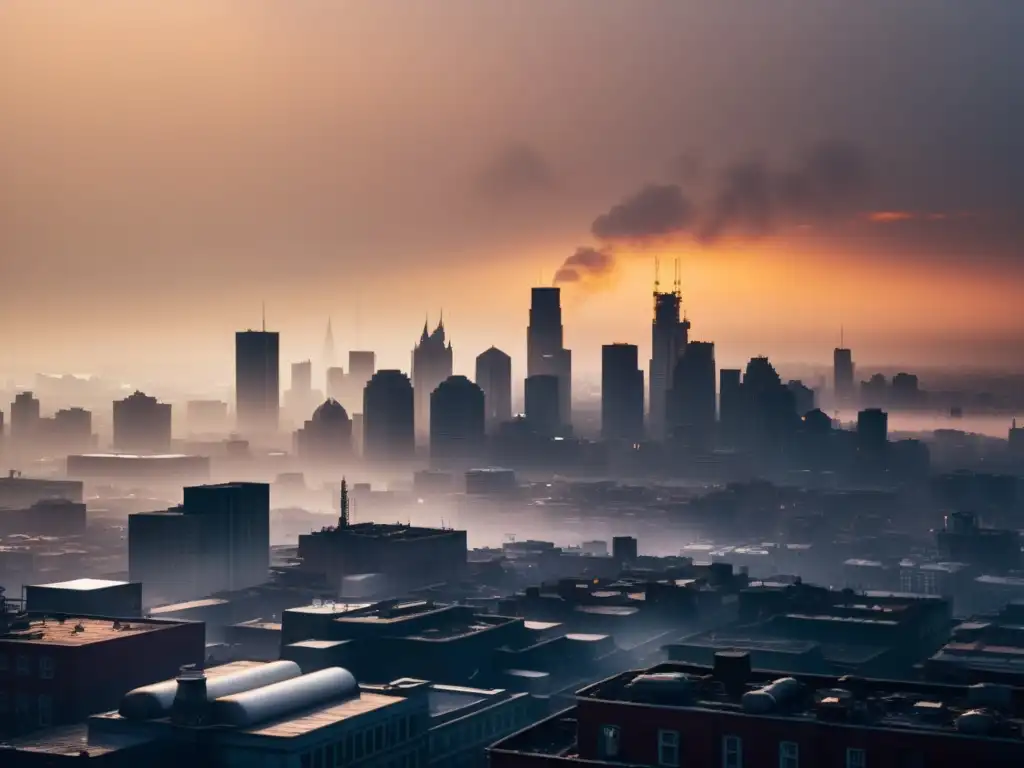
[(732, 752), (668, 748), (789, 754)]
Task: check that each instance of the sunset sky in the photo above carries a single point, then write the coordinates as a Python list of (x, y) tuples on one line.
[(165, 167)]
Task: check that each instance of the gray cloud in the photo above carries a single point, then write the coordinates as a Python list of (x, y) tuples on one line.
[(517, 171), (657, 210), (586, 263)]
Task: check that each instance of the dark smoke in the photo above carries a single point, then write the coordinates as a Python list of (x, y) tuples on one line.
[(516, 172), (586, 263), (753, 199), (656, 210)]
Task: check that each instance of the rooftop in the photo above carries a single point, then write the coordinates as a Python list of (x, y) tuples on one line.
[(84, 585), (391, 531), (138, 457), (78, 631), (306, 722), (206, 602)]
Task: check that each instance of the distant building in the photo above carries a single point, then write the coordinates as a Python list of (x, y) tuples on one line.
[(389, 417), (171, 467), (300, 398), (335, 384), (327, 436), (142, 424), (206, 416), (24, 420), (872, 435), (18, 492), (362, 364), (457, 417), (692, 401), (546, 354), (842, 375), (622, 393), (803, 397), (494, 377), (257, 382), (431, 364), (730, 406), (218, 539), (543, 409), (669, 337), (86, 597), (49, 517)]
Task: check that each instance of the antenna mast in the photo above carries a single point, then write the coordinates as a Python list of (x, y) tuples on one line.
[(263, 307), (343, 520)]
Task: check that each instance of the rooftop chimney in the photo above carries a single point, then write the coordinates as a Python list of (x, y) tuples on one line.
[(190, 704), (732, 669)]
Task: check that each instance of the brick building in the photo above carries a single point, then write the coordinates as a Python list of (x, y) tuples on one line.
[(676, 715)]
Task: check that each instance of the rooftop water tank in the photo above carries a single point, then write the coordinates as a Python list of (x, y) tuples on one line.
[(771, 696), (242, 710), (976, 722), (155, 701)]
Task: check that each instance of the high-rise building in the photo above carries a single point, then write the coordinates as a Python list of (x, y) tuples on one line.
[(730, 406), (842, 375), (336, 382), (669, 337), (494, 377), (71, 429), (542, 403), (431, 364), (691, 404), (257, 381), (803, 397), (325, 438), (24, 419), (328, 346), (302, 377), (300, 398), (872, 431), (457, 418), (388, 417), (142, 424), (546, 354), (622, 393)]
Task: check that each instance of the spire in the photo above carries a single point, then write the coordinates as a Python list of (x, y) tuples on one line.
[(426, 334), (677, 281), (329, 345), (264, 310), (343, 520)]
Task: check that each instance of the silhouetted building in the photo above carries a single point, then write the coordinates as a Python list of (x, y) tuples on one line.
[(872, 437), (1015, 440), (905, 391), (803, 397), (431, 364), (624, 550), (17, 491), (669, 337), (692, 403), (730, 405), (206, 415), (257, 381), (874, 393), (542, 403), (963, 540), (388, 417), (457, 418), (70, 429), (545, 351), (327, 436), (494, 377), (142, 424), (24, 420), (842, 375), (50, 517), (335, 383), (218, 539), (622, 393), (770, 418)]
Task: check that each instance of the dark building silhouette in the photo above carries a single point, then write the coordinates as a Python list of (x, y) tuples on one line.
[(542, 403), (770, 420), (388, 417), (494, 377), (730, 405), (24, 419), (905, 392), (70, 429), (326, 437), (257, 381), (457, 419), (874, 393), (872, 437), (431, 364), (217, 540), (142, 424), (669, 337), (692, 405), (803, 397), (622, 393), (842, 375), (545, 351)]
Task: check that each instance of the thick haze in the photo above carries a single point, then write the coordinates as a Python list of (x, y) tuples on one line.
[(166, 166)]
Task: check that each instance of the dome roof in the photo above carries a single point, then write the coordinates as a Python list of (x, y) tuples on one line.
[(330, 411)]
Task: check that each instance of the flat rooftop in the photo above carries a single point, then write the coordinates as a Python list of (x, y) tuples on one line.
[(313, 720), (72, 740), (52, 632), (390, 531), (206, 602), (84, 585)]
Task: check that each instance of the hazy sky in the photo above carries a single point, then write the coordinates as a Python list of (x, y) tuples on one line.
[(166, 166)]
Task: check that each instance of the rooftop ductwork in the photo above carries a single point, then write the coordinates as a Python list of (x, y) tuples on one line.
[(242, 710)]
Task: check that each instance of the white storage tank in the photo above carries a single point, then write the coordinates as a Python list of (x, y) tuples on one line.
[(272, 701), (771, 696)]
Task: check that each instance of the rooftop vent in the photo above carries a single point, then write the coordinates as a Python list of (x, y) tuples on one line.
[(732, 669), (190, 704), (771, 697)]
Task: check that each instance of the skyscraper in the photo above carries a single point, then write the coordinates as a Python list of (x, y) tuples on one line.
[(328, 346), (142, 424), (842, 374), (336, 382), (542, 406), (494, 377), (388, 417), (257, 381), (730, 406), (669, 336), (431, 364), (545, 352), (326, 438), (24, 419), (456, 420), (622, 393), (691, 401), (362, 364)]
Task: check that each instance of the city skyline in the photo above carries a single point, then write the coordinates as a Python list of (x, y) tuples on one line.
[(221, 204)]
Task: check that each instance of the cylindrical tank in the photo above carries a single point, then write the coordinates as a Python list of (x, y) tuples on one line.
[(769, 697), (154, 701), (976, 722), (242, 710)]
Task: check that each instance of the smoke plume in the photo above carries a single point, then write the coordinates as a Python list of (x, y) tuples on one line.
[(586, 264), (657, 210)]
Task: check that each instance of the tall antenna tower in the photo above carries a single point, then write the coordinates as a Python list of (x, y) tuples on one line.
[(343, 520)]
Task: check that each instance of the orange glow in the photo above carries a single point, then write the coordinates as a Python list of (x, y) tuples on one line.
[(888, 217)]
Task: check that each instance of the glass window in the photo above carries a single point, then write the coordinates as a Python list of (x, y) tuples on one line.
[(732, 752), (46, 667), (609, 746), (45, 710), (668, 748), (23, 667), (789, 754), (856, 758)]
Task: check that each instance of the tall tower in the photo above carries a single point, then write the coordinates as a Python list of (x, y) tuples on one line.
[(329, 346), (257, 381), (669, 337), (494, 377), (842, 373), (343, 517), (545, 351), (431, 364), (622, 393)]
